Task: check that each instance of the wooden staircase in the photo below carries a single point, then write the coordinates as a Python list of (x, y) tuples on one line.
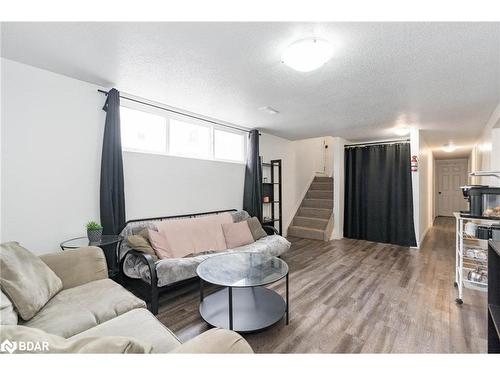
[(314, 217)]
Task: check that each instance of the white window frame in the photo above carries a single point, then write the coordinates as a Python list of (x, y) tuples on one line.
[(234, 131), (173, 116)]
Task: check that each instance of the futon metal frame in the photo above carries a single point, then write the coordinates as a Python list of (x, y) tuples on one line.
[(150, 292)]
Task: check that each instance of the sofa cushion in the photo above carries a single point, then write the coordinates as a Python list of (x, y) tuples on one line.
[(78, 266), (8, 316), (194, 235), (77, 309), (140, 242), (47, 343), (256, 228), (237, 234), (216, 340), (139, 324), (172, 270), (26, 279)]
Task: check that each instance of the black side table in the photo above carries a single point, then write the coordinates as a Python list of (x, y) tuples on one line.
[(110, 244)]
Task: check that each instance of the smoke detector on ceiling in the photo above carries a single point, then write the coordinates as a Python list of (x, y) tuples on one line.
[(269, 110)]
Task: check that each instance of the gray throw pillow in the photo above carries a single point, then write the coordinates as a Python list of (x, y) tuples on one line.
[(26, 279), (239, 216), (256, 228)]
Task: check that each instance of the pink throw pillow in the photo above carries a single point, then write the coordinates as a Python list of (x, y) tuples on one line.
[(159, 244), (237, 234), (194, 235)]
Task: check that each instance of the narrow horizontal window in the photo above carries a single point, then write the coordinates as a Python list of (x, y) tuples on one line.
[(151, 132), (191, 140), (142, 131), (229, 145)]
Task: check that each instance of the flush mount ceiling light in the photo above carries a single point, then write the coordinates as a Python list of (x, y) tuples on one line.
[(450, 147), (401, 131), (307, 54)]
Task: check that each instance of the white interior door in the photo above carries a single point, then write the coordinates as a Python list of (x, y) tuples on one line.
[(451, 175), (320, 157)]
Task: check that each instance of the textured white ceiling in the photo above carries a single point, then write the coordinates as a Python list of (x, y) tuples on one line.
[(441, 77)]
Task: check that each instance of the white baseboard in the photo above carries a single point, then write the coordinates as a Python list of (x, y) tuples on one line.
[(421, 240)]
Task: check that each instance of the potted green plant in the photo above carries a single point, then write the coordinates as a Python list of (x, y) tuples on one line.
[(94, 231)]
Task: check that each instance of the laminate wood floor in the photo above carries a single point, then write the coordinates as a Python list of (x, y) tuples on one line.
[(351, 296)]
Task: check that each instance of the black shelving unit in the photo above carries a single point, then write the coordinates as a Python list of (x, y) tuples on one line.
[(272, 189), (493, 296)]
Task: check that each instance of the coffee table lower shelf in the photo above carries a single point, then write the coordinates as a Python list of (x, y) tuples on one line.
[(253, 308)]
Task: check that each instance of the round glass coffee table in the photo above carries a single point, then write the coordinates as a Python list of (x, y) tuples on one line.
[(244, 304)]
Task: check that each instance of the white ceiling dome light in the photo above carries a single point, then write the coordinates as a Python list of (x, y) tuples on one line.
[(401, 131), (450, 147), (307, 54)]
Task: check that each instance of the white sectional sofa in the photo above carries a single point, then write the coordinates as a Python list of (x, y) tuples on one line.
[(90, 306)]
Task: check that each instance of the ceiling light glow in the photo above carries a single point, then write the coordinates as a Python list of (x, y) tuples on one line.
[(307, 54), (450, 147), (401, 131)]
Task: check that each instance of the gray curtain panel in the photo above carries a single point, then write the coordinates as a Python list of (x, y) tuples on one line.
[(378, 194), (252, 194), (112, 195)]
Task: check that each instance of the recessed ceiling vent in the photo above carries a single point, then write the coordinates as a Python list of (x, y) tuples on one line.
[(269, 110)]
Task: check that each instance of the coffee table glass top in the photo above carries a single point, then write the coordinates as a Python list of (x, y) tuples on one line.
[(75, 243), (242, 269)]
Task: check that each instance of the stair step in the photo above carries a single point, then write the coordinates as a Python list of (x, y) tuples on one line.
[(320, 194), (310, 222), (317, 203), (321, 186), (303, 232), (323, 179), (322, 213)]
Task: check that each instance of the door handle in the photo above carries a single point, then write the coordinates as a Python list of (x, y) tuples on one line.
[(439, 193)]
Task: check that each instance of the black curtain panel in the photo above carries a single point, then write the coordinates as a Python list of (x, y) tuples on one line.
[(112, 195), (252, 194), (378, 194)]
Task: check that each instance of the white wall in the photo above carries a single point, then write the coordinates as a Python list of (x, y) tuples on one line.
[(415, 181), (162, 185), (52, 129), (485, 154), (422, 185), (426, 189), (338, 186), (51, 147), (159, 185), (51, 143)]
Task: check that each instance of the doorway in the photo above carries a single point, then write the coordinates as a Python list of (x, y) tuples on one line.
[(451, 174)]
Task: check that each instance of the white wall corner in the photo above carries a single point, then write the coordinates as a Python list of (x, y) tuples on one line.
[(338, 187), (415, 182)]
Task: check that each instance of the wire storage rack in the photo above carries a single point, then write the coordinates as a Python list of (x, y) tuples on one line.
[(471, 255)]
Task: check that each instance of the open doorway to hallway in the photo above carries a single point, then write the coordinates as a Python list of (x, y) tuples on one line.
[(450, 175)]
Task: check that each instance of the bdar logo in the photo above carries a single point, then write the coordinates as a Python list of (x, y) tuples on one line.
[(8, 346)]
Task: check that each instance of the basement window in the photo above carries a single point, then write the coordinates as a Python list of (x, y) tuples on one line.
[(142, 131), (157, 132), (191, 140)]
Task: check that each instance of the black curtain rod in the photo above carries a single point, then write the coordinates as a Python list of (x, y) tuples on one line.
[(377, 143), (177, 112)]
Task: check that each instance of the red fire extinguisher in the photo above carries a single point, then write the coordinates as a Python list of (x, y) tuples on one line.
[(414, 163)]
